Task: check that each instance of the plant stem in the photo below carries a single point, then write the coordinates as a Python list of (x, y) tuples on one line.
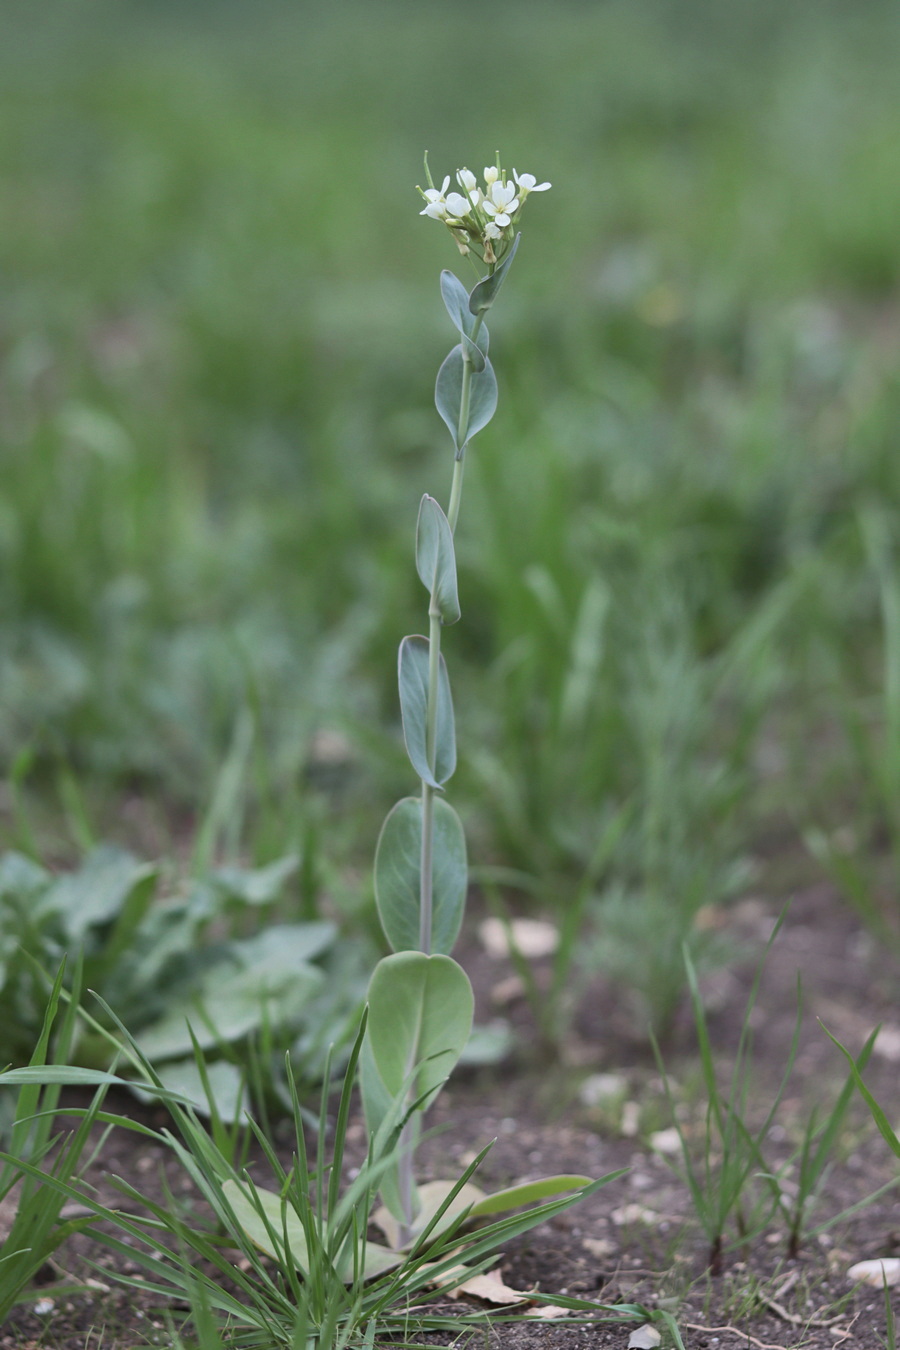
[(426, 869), (426, 887), (426, 880), (459, 465)]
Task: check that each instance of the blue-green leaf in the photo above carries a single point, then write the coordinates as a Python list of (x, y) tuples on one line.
[(448, 396), (109, 883), (436, 559), (485, 292), (413, 679), (398, 871), (183, 1079), (420, 1016), (229, 1003), (457, 301), (383, 1115)]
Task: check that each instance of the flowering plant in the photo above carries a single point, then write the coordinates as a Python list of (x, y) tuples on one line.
[(420, 1000)]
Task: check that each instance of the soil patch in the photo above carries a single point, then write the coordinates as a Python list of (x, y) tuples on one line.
[(638, 1239)]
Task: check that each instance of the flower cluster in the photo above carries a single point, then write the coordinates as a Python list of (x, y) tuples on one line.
[(480, 219)]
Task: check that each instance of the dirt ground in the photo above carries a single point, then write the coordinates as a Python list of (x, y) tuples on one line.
[(636, 1240)]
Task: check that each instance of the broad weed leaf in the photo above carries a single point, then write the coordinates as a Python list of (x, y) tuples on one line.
[(229, 1003), (226, 1082), (432, 1196), (267, 1233), (98, 892)]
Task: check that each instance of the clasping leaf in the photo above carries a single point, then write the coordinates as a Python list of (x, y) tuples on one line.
[(413, 678), (485, 292), (420, 1016), (436, 559), (456, 299), (398, 871), (448, 396)]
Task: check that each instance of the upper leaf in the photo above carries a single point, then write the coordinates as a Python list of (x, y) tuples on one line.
[(484, 293), (436, 559), (456, 299)]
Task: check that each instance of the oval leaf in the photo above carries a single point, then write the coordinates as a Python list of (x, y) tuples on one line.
[(457, 301), (398, 870), (228, 1004), (420, 1016), (448, 396), (413, 679), (485, 292), (436, 559)]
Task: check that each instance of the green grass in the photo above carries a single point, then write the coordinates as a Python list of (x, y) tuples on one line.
[(220, 324)]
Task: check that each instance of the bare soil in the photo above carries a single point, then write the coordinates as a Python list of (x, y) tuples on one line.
[(636, 1240)]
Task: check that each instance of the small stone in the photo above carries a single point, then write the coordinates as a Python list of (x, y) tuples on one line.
[(601, 1248), (630, 1123), (629, 1214), (602, 1089), (885, 1271), (666, 1141), (530, 937), (888, 1043), (644, 1338)]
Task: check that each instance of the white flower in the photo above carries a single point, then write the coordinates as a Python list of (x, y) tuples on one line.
[(528, 183), (436, 206), (492, 231), (469, 184), (491, 174), (500, 202), (457, 205)]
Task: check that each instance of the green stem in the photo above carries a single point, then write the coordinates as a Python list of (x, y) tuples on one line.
[(459, 465), (426, 878), (426, 867)]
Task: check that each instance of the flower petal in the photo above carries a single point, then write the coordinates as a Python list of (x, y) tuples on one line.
[(457, 205)]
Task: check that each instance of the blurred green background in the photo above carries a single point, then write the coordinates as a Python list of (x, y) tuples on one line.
[(219, 329)]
